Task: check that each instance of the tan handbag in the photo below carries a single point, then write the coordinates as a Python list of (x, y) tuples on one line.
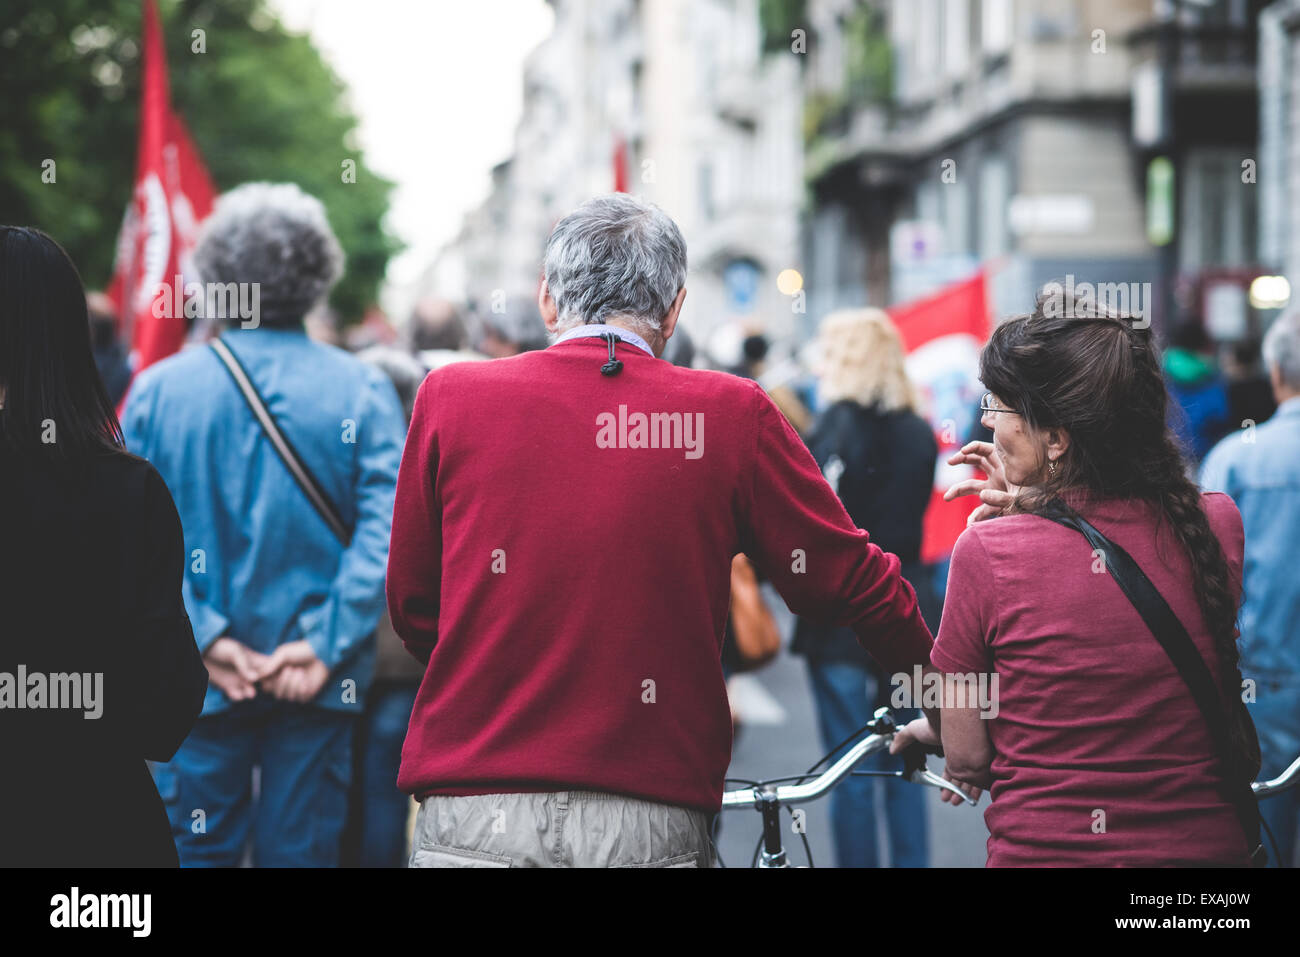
[(758, 640)]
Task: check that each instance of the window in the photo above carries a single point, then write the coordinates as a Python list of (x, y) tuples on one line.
[(956, 216), (956, 36), (1218, 211), (994, 196), (929, 27), (996, 26), (706, 191)]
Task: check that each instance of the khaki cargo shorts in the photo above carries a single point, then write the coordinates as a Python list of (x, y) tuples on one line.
[(559, 829)]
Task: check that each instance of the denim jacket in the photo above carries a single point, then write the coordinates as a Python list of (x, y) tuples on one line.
[(1260, 468), (263, 567)]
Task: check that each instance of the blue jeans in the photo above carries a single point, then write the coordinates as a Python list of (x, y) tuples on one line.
[(1276, 713), (377, 812), (304, 757), (845, 694)]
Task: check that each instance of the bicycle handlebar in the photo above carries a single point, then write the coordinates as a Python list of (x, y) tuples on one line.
[(883, 729), (1283, 782)]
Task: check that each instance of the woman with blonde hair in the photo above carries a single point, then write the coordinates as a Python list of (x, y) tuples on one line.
[(879, 456)]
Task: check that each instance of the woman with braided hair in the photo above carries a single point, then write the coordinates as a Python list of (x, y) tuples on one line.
[(1095, 752)]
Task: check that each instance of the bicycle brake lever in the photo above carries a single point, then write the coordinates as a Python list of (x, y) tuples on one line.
[(926, 776), (914, 757)]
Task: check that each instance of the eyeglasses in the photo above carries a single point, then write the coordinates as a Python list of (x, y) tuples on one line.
[(986, 405)]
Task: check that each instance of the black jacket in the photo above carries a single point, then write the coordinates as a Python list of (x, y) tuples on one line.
[(91, 563), (882, 467)]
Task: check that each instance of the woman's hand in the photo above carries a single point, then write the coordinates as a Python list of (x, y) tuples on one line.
[(995, 492), (918, 730), (970, 790)]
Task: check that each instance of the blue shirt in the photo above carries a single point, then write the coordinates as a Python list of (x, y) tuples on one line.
[(1260, 469), (263, 567)]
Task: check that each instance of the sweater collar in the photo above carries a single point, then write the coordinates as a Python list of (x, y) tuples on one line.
[(600, 329)]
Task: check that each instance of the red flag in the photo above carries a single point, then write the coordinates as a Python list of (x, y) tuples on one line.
[(173, 195), (620, 165), (943, 335)]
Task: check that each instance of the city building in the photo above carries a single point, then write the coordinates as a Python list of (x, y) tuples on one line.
[(1098, 139), (671, 100)]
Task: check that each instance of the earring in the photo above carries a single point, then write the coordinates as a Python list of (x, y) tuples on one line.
[(1051, 468)]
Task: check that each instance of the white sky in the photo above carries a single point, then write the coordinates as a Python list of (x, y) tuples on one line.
[(438, 87)]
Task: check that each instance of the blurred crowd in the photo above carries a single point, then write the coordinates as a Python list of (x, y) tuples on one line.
[(289, 771)]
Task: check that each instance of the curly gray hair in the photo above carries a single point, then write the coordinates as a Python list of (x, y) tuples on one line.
[(277, 236), (615, 256)]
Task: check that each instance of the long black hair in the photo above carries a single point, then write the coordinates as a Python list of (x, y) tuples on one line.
[(55, 406)]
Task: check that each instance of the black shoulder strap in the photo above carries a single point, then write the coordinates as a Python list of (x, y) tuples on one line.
[(1177, 643), (284, 448)]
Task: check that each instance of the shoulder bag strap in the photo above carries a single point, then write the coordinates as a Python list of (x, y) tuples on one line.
[(288, 454), (1177, 643)]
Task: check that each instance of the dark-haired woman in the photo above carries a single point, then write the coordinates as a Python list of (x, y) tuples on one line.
[(98, 666), (1094, 750)]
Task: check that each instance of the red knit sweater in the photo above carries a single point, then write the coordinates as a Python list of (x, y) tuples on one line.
[(565, 573)]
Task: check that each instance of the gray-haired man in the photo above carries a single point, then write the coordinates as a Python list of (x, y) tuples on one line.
[(561, 561)]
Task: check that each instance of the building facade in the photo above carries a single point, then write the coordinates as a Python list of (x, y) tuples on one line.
[(671, 100), (1096, 139)]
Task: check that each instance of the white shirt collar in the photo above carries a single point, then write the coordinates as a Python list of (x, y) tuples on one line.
[(599, 329)]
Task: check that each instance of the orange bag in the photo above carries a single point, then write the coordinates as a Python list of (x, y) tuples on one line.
[(758, 640)]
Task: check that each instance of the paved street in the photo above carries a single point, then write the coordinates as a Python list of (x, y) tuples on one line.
[(781, 739)]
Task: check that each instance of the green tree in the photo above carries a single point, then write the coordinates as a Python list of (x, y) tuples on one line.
[(260, 102), (777, 19), (869, 66)]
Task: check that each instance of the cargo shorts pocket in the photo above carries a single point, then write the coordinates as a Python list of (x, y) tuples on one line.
[(439, 855), (681, 860)]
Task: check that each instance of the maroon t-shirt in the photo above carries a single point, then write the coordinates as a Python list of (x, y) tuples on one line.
[(1101, 756)]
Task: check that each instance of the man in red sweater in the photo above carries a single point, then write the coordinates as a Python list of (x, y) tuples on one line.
[(561, 551)]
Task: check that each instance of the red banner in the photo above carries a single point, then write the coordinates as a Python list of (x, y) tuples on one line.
[(173, 195), (943, 335), (620, 165)]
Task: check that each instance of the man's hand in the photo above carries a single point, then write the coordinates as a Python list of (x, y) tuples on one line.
[(234, 668), (294, 673), (995, 492)]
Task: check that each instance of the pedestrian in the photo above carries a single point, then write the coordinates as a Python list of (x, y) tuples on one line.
[(1260, 468), (438, 334), (98, 666), (510, 327), (1097, 749), (562, 550), (110, 354), (378, 812), (285, 538), (879, 456), (1199, 413)]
